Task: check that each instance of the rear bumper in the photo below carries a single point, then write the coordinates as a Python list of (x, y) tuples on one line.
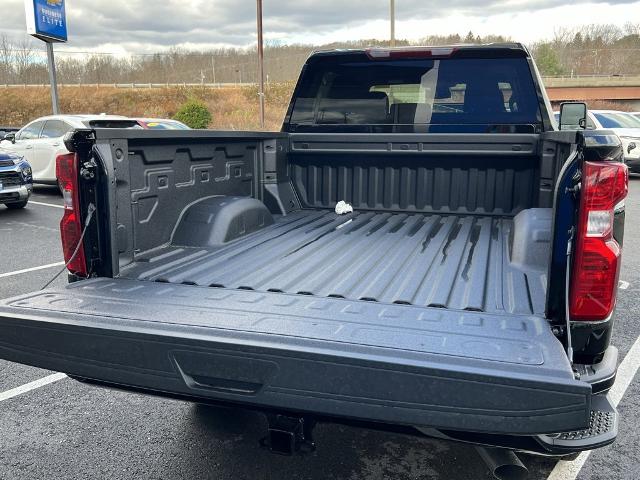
[(16, 194), (633, 164), (447, 370), (554, 445)]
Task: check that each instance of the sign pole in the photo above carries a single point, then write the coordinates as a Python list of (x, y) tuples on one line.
[(392, 18), (53, 80), (260, 64)]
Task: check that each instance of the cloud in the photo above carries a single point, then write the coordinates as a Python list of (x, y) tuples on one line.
[(148, 26)]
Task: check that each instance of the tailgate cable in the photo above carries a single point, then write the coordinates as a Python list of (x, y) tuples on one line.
[(90, 211), (567, 281), (566, 297)]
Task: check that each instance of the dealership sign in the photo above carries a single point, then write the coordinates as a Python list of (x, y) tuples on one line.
[(46, 19)]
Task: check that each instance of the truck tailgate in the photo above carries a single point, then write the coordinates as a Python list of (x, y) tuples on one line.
[(399, 364)]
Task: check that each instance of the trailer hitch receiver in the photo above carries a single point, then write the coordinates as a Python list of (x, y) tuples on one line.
[(289, 435)]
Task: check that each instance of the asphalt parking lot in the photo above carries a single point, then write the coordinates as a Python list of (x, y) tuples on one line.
[(69, 430)]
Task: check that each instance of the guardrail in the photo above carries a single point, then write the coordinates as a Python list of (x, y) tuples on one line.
[(549, 81), (595, 75), (129, 85)]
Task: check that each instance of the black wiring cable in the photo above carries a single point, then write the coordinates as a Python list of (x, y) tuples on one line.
[(90, 211)]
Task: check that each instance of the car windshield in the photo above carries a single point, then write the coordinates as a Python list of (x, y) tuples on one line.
[(633, 118), (166, 125), (617, 120), (451, 94)]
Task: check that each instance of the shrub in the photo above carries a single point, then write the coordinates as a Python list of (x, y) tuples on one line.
[(194, 114)]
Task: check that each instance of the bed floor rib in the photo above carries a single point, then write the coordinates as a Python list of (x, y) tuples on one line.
[(445, 261)]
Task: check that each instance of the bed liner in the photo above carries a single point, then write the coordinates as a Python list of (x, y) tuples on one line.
[(447, 261)]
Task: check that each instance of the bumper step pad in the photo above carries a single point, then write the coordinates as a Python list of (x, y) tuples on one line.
[(603, 429)]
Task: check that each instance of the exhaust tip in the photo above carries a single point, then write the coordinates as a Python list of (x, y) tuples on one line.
[(511, 472), (503, 463)]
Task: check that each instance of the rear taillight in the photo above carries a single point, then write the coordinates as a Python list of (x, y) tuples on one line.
[(596, 262), (71, 223)]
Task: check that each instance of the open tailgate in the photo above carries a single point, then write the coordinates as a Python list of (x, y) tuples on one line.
[(387, 363)]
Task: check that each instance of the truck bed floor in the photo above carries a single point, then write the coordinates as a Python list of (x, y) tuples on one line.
[(446, 261)]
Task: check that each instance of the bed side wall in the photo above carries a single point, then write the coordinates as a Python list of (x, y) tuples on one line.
[(158, 177)]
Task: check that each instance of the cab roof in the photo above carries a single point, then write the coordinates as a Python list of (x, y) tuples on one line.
[(504, 49)]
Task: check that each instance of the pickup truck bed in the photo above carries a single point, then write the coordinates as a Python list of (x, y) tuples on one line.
[(447, 261), (212, 265)]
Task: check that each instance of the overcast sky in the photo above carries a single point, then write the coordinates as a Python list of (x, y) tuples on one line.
[(143, 26)]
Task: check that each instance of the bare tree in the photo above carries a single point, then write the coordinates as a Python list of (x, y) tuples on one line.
[(631, 29), (586, 50), (6, 60), (25, 58)]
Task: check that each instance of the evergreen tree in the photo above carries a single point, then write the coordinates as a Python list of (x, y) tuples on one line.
[(548, 61)]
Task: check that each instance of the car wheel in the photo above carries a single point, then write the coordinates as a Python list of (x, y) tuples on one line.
[(17, 206)]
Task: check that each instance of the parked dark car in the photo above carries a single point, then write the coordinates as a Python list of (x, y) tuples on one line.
[(5, 130), (16, 181)]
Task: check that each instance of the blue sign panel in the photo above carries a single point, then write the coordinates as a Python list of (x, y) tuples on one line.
[(46, 19)]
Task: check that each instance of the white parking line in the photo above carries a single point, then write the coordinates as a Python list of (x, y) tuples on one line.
[(45, 204), (626, 373), (32, 269), (14, 392)]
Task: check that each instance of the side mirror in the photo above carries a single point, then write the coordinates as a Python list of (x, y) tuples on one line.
[(632, 146), (10, 137), (573, 116)]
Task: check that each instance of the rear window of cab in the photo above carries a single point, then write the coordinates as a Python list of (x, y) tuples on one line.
[(352, 90)]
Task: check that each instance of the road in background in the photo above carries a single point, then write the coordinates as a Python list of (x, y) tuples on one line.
[(69, 430)]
